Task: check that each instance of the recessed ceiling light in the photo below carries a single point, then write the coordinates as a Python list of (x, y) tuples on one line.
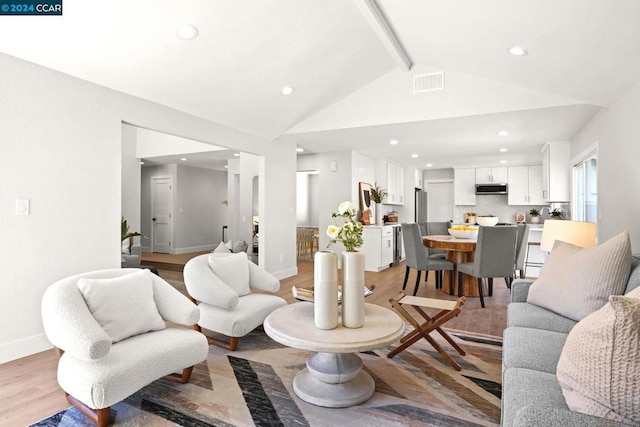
[(287, 90), (142, 162), (503, 133), (415, 156), (187, 32), (429, 165), (393, 142), (299, 149), (236, 154), (184, 159), (518, 51), (503, 150), (226, 166), (503, 161)]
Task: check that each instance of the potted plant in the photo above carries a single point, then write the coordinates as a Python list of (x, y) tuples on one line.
[(377, 195), (556, 214), (534, 214), (125, 235)]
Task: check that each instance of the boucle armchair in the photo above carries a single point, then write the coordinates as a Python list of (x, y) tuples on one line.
[(221, 284), (110, 332)]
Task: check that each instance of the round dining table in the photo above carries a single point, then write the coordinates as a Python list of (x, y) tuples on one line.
[(458, 251)]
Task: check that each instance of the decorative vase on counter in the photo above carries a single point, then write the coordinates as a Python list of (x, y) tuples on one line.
[(325, 290), (379, 220), (353, 289)]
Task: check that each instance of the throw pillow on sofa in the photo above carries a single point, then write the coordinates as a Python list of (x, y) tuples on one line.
[(232, 269), (599, 368), (575, 282)]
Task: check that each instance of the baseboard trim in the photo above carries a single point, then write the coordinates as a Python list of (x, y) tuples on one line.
[(24, 347), (283, 274), (180, 251)]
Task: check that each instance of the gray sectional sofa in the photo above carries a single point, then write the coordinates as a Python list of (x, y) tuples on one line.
[(533, 341)]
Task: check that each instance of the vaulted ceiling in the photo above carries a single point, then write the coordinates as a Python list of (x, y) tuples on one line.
[(352, 63)]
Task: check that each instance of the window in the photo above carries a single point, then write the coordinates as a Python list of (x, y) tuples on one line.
[(585, 189)]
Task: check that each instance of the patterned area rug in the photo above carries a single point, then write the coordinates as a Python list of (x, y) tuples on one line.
[(253, 386)]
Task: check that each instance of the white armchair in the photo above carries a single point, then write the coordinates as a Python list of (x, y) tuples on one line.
[(109, 327), (227, 305)]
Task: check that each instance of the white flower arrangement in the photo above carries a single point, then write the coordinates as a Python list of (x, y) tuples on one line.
[(350, 234)]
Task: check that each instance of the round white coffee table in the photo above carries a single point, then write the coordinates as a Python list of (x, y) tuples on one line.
[(333, 377)]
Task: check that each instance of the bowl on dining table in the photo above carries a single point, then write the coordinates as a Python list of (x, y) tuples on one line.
[(487, 221), (464, 231)]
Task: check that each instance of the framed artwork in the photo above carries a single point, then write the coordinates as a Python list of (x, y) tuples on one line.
[(367, 207)]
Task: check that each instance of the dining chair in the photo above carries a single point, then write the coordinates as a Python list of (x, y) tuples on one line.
[(494, 256), (522, 245), (417, 256), (438, 228)]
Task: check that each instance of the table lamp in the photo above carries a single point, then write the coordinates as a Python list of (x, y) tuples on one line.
[(577, 233)]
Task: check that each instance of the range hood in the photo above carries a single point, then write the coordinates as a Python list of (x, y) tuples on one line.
[(491, 189)]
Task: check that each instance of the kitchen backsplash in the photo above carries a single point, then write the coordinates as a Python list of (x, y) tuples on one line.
[(494, 205)]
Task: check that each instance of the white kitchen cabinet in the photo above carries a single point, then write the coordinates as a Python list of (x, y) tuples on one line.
[(417, 173), (525, 185), (497, 175), (377, 246), (395, 184), (535, 257), (464, 186), (556, 171)]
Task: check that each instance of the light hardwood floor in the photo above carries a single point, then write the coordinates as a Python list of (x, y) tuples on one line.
[(29, 390)]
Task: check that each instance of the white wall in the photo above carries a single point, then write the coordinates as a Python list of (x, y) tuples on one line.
[(333, 187), (61, 148), (199, 214), (617, 130), (131, 180)]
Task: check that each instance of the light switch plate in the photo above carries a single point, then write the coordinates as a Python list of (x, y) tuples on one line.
[(22, 206)]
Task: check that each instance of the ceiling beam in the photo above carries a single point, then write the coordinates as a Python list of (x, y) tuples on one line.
[(381, 27)]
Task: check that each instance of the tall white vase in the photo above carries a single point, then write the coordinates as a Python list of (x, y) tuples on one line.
[(325, 290), (379, 220), (353, 289)]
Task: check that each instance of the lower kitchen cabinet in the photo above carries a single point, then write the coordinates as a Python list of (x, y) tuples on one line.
[(378, 247)]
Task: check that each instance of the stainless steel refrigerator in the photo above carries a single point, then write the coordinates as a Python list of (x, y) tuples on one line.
[(421, 205)]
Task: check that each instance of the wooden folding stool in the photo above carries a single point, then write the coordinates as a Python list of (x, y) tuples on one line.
[(448, 310)]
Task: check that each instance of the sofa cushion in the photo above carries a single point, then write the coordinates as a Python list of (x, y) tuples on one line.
[(527, 315), (524, 387), (599, 369), (575, 282), (240, 246), (232, 269), (123, 306), (532, 349)]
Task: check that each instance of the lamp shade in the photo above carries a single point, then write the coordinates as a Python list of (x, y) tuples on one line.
[(577, 233)]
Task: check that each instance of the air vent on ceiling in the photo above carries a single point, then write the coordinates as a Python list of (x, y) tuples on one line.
[(428, 82)]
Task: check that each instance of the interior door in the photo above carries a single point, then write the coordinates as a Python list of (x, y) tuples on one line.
[(439, 201), (162, 221)]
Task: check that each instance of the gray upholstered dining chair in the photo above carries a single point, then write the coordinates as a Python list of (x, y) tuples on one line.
[(437, 228), (494, 256), (417, 256), (521, 250)]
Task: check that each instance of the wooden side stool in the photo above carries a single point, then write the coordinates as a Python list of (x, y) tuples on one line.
[(448, 310)]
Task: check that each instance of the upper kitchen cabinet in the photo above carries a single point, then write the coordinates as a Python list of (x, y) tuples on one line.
[(417, 178), (556, 171), (525, 185), (395, 184), (464, 186), (491, 175)]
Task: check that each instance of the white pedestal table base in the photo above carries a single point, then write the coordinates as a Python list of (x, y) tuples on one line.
[(334, 380)]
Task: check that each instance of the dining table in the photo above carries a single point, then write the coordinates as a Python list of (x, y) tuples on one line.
[(457, 251)]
